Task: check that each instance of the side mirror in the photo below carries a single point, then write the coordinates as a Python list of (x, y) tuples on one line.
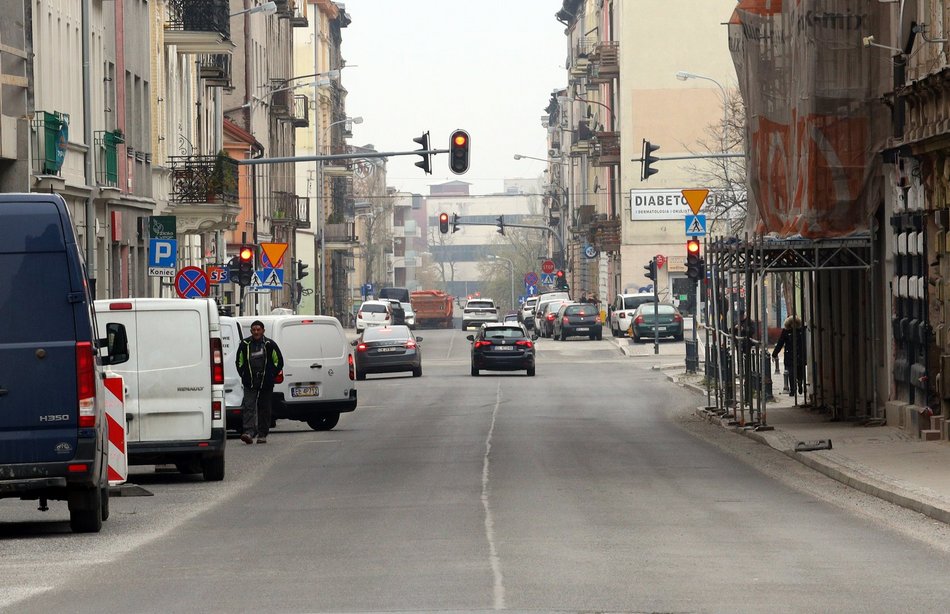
[(355, 342), (534, 336), (117, 344), (418, 338), (470, 337)]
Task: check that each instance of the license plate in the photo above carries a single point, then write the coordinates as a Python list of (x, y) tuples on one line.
[(501, 348), (582, 330), (305, 391), (663, 328), (387, 349)]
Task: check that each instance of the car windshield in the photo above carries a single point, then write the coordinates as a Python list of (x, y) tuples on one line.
[(507, 332), (479, 305), (373, 308), (580, 310), (387, 333)]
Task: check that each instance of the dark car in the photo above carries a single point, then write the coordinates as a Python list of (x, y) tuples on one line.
[(388, 349), (668, 322), (399, 313), (544, 322), (502, 347), (577, 320)]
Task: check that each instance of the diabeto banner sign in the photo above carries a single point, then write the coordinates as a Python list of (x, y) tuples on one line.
[(662, 204)]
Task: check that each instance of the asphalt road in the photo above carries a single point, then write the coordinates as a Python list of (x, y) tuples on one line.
[(587, 487)]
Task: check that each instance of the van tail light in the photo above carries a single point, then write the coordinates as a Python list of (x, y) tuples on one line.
[(216, 410), (481, 344), (524, 343), (361, 347), (638, 320), (86, 384), (217, 361), (349, 361), (677, 317), (279, 378), (359, 314), (410, 345), (564, 320), (386, 318), (550, 317)]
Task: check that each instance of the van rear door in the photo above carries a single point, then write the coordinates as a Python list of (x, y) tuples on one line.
[(40, 299), (314, 360), (230, 339)]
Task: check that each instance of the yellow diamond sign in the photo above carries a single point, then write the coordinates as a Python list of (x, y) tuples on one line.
[(695, 198)]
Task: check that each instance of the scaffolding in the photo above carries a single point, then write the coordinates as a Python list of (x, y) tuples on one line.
[(829, 284)]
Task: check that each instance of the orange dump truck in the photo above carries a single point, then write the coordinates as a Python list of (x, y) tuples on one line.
[(433, 308)]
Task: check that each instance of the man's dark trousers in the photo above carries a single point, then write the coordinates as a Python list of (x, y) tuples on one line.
[(256, 412)]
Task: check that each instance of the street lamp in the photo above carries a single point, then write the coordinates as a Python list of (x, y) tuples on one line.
[(511, 275), (268, 8), (684, 75)]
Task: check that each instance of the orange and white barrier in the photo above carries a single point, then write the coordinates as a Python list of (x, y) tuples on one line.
[(115, 416)]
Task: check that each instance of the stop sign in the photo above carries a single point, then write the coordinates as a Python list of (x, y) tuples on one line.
[(547, 266)]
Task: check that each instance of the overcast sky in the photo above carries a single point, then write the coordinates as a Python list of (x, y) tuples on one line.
[(487, 66)]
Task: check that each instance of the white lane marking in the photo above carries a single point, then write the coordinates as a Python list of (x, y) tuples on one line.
[(451, 343), (499, 588)]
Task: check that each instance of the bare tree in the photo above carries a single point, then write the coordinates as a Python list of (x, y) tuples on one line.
[(725, 177), (524, 247), (378, 229), (444, 259)]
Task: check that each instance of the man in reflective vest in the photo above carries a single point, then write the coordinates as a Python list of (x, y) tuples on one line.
[(259, 361)]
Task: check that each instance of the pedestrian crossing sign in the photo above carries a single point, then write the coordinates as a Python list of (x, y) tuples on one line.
[(695, 225)]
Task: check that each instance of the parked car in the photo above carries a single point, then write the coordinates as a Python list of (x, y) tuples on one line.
[(502, 347), (478, 311), (317, 382), (667, 322), (52, 397), (410, 317), (526, 313), (544, 321), (174, 382), (511, 318), (546, 298), (388, 349), (399, 314), (620, 312), (577, 320), (374, 313), (231, 335)]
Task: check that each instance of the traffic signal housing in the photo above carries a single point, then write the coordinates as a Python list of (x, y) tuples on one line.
[(650, 268), (426, 162), (455, 222), (501, 224), (647, 160), (459, 152), (693, 260), (302, 270), (234, 269), (443, 223), (560, 280), (246, 265)]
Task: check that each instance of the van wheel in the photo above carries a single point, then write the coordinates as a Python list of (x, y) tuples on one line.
[(105, 502), (324, 422), (213, 468), (85, 510), (417, 372)]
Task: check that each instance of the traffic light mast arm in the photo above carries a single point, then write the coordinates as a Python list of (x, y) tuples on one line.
[(346, 156), (509, 225), (695, 157)]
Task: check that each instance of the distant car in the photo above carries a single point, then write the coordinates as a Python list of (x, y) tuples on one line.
[(543, 300), (511, 317), (668, 322), (399, 312), (478, 311), (526, 313), (544, 321), (622, 308), (373, 313), (388, 349), (502, 347), (577, 320), (410, 315)]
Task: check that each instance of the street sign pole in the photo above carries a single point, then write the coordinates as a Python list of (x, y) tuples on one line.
[(656, 309)]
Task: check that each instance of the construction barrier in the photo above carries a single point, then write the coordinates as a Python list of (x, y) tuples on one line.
[(115, 417)]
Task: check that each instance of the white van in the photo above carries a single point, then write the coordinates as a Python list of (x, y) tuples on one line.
[(319, 376), (231, 335), (174, 401)]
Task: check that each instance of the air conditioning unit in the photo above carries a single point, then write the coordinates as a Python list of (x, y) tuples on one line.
[(552, 153)]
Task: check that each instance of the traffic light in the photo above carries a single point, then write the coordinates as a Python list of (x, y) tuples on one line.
[(234, 269), (650, 268), (246, 265), (560, 280), (455, 222), (647, 159), (426, 162), (458, 152), (501, 224), (302, 270), (443, 223), (693, 260)]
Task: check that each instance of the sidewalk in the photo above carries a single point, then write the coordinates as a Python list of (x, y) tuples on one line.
[(883, 461)]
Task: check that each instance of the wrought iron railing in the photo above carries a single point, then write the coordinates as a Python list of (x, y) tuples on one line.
[(340, 233), (50, 137), (200, 16), (215, 68), (303, 211), (300, 117), (204, 179), (107, 159)]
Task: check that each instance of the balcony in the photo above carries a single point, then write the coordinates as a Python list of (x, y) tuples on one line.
[(605, 149), (199, 27), (215, 69), (290, 210), (300, 114), (299, 17), (583, 216), (107, 159), (204, 192), (605, 234), (340, 236), (605, 62), (281, 100), (49, 136), (580, 138)]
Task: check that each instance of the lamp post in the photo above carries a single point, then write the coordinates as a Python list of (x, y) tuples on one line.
[(511, 275), (684, 75), (320, 201), (268, 8)]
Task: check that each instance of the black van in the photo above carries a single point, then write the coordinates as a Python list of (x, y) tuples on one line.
[(53, 431), (399, 294)]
